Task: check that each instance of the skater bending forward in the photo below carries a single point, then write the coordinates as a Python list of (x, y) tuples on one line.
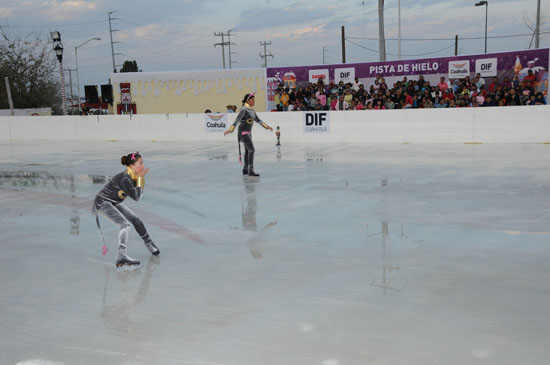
[(245, 119), (128, 183)]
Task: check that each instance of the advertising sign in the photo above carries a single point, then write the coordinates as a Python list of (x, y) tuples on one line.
[(316, 122), (487, 67), (215, 122), (459, 69), (315, 75), (344, 74)]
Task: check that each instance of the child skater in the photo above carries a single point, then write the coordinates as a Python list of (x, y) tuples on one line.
[(108, 201), (245, 119)]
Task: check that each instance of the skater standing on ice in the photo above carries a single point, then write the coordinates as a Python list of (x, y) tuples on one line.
[(245, 119), (108, 201)]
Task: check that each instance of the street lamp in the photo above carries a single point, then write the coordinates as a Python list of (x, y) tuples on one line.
[(76, 59), (58, 48), (486, 3)]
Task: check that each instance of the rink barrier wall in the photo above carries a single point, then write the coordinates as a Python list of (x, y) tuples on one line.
[(520, 124)]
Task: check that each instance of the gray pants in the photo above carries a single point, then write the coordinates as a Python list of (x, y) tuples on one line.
[(122, 217)]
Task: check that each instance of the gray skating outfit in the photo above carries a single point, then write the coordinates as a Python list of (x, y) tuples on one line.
[(245, 119), (109, 202)]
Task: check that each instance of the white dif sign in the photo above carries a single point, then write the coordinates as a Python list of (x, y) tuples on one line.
[(316, 122), (344, 74), (315, 75), (487, 67)]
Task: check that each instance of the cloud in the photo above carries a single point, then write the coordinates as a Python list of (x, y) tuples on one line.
[(148, 31), (64, 10), (6, 12), (307, 31), (261, 18)]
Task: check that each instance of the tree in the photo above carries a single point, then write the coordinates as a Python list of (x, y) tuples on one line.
[(31, 66), (130, 66)]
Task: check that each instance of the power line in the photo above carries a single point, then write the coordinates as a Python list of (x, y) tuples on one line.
[(407, 55), (57, 25), (448, 39)]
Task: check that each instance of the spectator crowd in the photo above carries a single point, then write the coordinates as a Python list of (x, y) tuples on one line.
[(457, 93)]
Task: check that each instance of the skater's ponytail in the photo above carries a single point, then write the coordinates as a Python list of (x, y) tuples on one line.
[(247, 97), (130, 159)]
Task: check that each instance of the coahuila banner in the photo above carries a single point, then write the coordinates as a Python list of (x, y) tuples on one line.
[(459, 69), (316, 122), (501, 65), (215, 122)]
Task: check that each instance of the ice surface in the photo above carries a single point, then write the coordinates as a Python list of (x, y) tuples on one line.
[(337, 254)]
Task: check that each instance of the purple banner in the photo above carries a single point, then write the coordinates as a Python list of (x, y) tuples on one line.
[(501, 65)]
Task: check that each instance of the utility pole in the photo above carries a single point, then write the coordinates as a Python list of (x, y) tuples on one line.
[(324, 62), (265, 55), (8, 91), (71, 83), (223, 44), (399, 28), (343, 45), (537, 30), (229, 46), (381, 37), (111, 30), (456, 45)]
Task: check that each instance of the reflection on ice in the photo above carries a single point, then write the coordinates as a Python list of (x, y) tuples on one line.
[(386, 280), (249, 219), (118, 316)]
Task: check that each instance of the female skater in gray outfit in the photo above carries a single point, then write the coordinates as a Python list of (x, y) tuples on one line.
[(108, 201), (245, 119)]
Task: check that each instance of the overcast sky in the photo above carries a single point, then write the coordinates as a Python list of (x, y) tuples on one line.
[(166, 35)]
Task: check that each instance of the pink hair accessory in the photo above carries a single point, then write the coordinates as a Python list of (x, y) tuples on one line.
[(133, 156), (250, 96)]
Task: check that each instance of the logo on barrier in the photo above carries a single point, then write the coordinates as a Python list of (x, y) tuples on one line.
[(459, 69), (315, 75), (316, 122), (486, 67), (344, 74), (215, 123)]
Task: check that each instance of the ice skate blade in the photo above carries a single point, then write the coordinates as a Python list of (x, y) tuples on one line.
[(126, 267)]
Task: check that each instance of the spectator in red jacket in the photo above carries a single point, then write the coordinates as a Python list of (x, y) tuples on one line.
[(409, 101), (529, 80), (493, 85)]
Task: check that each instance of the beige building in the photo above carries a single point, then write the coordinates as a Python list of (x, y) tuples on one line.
[(186, 91)]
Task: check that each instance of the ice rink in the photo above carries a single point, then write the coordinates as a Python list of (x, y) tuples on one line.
[(336, 255)]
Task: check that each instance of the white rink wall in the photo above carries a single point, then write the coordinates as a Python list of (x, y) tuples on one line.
[(523, 124)]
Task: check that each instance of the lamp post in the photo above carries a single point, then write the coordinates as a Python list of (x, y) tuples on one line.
[(486, 3), (58, 48), (76, 60)]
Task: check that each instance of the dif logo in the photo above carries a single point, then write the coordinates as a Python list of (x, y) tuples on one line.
[(344, 74), (487, 67), (316, 122)]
